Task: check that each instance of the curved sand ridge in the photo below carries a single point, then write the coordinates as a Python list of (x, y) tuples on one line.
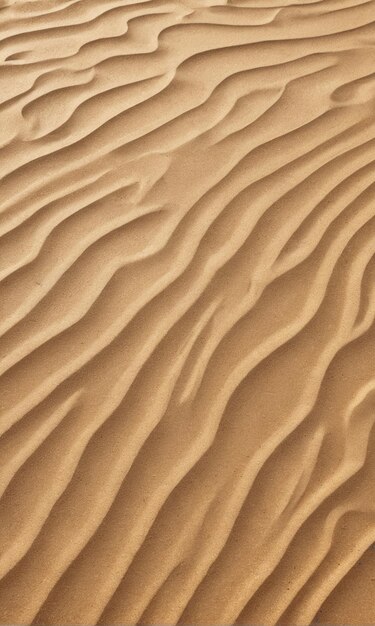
[(187, 288)]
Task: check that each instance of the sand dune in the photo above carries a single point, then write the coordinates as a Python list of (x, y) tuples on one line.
[(187, 304)]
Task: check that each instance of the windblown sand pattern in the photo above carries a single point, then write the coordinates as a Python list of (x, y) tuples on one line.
[(187, 311)]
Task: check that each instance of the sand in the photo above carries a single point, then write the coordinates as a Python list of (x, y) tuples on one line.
[(187, 306)]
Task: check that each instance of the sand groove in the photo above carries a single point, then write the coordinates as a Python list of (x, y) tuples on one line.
[(187, 305)]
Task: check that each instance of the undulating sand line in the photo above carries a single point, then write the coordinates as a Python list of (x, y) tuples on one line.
[(187, 304)]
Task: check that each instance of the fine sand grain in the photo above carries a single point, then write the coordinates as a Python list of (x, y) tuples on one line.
[(187, 304)]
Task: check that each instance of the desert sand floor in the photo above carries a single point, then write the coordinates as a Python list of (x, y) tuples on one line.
[(187, 297)]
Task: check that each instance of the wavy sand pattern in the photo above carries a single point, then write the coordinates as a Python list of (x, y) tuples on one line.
[(187, 281)]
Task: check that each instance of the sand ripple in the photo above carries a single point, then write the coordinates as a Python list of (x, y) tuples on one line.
[(187, 304)]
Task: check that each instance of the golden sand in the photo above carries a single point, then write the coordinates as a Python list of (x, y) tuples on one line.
[(187, 303)]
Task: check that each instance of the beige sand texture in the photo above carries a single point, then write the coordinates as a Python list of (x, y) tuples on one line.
[(187, 293)]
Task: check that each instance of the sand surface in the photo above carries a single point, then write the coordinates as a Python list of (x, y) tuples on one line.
[(187, 303)]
